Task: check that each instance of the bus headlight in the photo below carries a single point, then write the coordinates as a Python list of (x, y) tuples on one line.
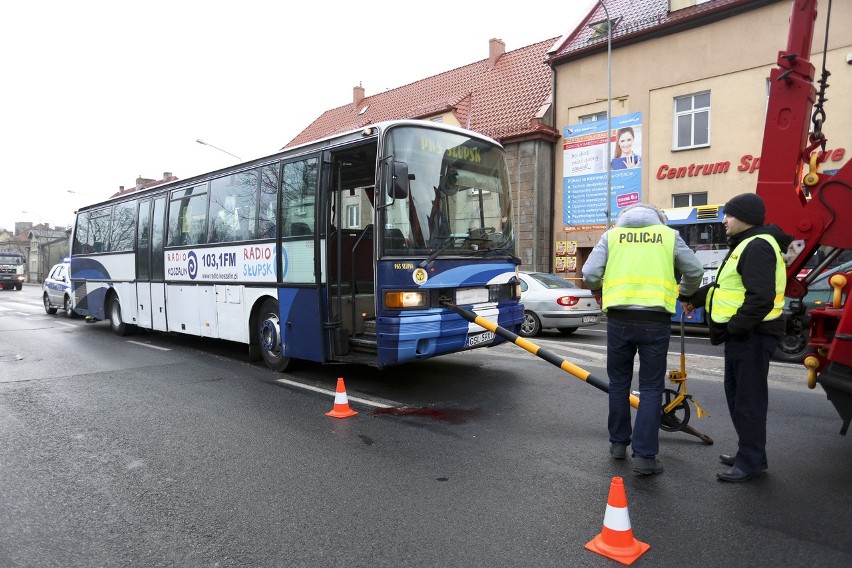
[(397, 300)]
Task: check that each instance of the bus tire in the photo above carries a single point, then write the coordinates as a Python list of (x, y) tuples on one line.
[(47, 307), (268, 333), (69, 313), (118, 327)]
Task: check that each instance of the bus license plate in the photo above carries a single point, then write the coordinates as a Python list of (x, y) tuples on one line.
[(590, 319), (484, 337)]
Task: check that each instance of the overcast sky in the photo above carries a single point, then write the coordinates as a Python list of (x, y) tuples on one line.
[(96, 93)]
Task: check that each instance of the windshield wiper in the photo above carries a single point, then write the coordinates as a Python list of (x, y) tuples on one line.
[(471, 252), (451, 240), (486, 251)]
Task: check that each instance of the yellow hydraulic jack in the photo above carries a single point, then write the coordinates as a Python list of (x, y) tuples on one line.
[(675, 424), (675, 405)]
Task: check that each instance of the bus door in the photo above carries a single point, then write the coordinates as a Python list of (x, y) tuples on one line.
[(299, 300), (349, 271), (143, 265), (158, 270)]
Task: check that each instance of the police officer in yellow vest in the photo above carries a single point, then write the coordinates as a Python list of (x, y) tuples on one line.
[(635, 264), (745, 313)]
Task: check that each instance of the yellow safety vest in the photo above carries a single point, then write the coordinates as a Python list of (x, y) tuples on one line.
[(728, 295), (640, 268)]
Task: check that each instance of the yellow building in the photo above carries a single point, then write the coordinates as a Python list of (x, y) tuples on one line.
[(695, 74)]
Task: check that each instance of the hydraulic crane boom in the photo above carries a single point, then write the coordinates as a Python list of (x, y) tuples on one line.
[(813, 207)]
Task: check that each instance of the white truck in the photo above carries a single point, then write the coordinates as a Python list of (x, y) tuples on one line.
[(12, 270)]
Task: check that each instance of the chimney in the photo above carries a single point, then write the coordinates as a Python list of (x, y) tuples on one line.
[(496, 48), (120, 188), (167, 176), (357, 95), (140, 182)]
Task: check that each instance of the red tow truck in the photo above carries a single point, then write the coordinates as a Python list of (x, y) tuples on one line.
[(812, 206)]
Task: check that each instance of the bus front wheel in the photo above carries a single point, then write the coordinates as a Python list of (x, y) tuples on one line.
[(118, 327), (269, 338)]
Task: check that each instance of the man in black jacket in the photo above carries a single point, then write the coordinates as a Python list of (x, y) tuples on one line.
[(744, 306)]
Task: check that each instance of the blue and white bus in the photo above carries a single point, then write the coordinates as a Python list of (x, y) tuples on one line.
[(702, 229), (340, 250)]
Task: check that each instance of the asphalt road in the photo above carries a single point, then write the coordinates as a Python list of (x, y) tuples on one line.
[(162, 450)]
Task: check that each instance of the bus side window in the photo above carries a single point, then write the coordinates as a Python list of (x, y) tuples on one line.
[(299, 187), (267, 214)]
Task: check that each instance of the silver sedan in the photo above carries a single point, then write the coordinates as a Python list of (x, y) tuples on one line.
[(550, 301)]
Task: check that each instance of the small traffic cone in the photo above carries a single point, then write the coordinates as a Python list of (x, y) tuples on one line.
[(616, 540), (341, 403)]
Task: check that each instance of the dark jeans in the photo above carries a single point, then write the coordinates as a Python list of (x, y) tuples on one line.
[(747, 391), (623, 339)]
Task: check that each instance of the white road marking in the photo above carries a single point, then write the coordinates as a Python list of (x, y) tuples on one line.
[(149, 345), (332, 393)]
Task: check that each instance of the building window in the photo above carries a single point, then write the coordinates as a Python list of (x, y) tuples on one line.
[(353, 216), (692, 121), (592, 117), (689, 199)]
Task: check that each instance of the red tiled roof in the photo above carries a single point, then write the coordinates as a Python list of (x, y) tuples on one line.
[(642, 18), (502, 102)]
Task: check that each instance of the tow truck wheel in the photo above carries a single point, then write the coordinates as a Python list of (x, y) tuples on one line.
[(269, 338), (18, 286), (793, 346), (47, 307)]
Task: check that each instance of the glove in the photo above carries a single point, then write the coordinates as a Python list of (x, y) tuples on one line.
[(718, 334)]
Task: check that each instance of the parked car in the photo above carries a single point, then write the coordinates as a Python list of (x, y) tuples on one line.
[(56, 290), (551, 301), (793, 347)]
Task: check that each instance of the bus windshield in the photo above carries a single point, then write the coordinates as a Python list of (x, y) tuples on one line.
[(457, 201)]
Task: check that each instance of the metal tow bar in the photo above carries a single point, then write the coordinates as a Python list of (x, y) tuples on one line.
[(568, 367)]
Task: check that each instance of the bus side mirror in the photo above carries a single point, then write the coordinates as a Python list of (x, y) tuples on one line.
[(400, 178)]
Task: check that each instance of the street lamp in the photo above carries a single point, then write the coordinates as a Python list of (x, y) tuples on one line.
[(608, 115), (203, 143), (37, 215)]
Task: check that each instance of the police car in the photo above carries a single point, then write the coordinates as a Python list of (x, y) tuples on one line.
[(56, 290)]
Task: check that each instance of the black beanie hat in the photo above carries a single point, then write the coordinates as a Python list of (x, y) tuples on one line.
[(747, 207)]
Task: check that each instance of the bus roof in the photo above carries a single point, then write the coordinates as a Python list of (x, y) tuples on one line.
[(366, 132)]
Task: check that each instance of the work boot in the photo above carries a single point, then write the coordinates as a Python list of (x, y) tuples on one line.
[(618, 451), (646, 466)]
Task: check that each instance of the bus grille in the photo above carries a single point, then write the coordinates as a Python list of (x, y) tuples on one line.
[(80, 295)]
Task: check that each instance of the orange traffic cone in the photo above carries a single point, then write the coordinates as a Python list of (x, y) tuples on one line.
[(616, 538), (341, 403)]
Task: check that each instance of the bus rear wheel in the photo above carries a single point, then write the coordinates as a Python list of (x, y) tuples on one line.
[(118, 327), (269, 338)]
